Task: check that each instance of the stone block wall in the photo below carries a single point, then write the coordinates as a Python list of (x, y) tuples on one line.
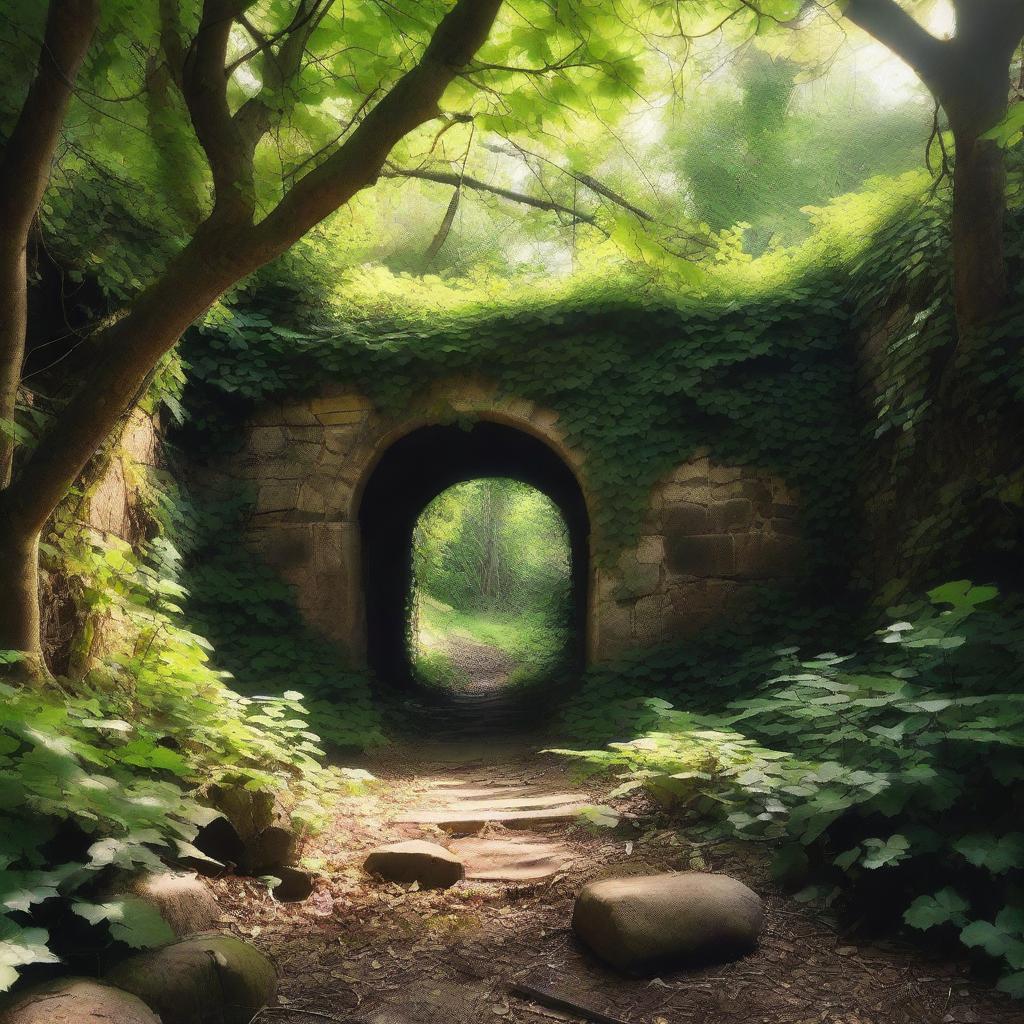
[(711, 532)]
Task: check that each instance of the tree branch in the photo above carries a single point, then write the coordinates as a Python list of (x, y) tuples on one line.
[(217, 258), (204, 87), (411, 101), (447, 178), (896, 29)]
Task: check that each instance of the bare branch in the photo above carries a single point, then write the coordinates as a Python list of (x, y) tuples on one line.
[(448, 178)]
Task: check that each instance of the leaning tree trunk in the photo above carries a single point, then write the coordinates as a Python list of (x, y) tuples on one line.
[(224, 249), (125, 353)]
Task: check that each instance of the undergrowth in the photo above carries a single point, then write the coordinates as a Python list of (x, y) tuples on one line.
[(891, 776), (250, 616), (111, 769)]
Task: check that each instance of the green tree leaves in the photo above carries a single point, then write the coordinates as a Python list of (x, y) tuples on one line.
[(997, 854), (947, 905)]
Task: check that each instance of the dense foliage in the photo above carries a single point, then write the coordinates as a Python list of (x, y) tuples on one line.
[(249, 616), (623, 292), (111, 772), (892, 774)]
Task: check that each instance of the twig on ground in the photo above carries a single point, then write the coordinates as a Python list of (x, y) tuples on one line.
[(307, 1013), (554, 1001)]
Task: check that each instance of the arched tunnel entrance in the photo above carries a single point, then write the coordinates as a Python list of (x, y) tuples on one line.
[(409, 475)]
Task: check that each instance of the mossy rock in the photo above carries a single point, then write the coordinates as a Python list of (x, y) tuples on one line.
[(209, 979)]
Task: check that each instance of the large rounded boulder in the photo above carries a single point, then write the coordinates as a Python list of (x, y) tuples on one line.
[(641, 923), (209, 979), (76, 1001)]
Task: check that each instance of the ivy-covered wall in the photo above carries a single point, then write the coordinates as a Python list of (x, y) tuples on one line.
[(941, 485), (716, 444), (706, 532)]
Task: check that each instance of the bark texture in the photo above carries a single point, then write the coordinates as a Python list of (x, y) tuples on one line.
[(24, 174)]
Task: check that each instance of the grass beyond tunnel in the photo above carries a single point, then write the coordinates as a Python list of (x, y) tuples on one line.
[(526, 646)]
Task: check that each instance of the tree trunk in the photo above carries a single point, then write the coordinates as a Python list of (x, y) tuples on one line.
[(24, 173), (125, 354), (979, 202), (969, 75), (19, 584), (224, 249), (13, 314)]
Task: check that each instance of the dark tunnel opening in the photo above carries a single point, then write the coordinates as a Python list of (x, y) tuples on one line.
[(409, 475)]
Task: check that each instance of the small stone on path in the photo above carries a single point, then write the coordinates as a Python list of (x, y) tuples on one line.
[(184, 901), (637, 923), (416, 861), (295, 885)]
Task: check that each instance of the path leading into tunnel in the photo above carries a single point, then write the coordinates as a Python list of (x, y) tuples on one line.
[(483, 703), (383, 953)]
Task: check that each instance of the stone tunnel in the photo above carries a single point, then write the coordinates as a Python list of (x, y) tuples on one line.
[(338, 486)]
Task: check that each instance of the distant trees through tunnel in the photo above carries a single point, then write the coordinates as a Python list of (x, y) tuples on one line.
[(475, 548), (490, 606)]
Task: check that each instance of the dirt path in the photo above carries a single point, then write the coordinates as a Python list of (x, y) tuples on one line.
[(483, 704), (379, 953), (486, 668)]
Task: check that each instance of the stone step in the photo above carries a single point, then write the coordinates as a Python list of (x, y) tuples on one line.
[(447, 796), (520, 857), (514, 803), (465, 822)]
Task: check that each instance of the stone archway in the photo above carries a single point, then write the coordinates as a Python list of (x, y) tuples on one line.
[(710, 533), (414, 470)]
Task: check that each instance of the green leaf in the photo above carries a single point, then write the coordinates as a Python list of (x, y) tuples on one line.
[(846, 860), (1012, 984), (927, 911), (131, 920), (20, 947), (989, 937), (962, 594), (998, 855), (600, 815), (880, 852)]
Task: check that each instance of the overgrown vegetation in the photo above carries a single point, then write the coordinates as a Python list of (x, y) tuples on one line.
[(112, 771), (891, 775), (668, 275)]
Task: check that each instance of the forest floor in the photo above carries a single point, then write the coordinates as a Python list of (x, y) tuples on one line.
[(383, 953)]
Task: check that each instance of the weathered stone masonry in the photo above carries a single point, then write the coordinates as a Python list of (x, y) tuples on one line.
[(711, 531)]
